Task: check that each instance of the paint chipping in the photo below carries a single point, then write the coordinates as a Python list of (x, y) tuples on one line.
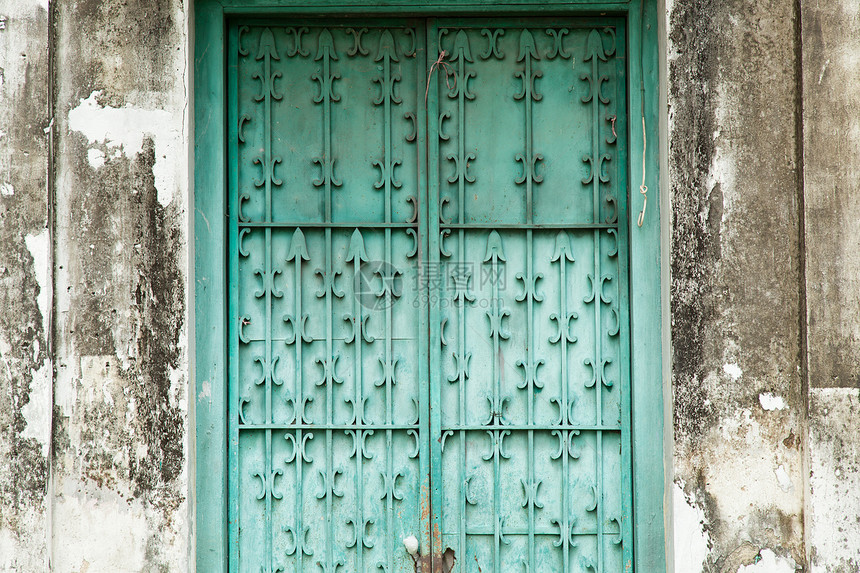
[(691, 536), (96, 157), (770, 401), (127, 128), (783, 479), (205, 391), (733, 371)]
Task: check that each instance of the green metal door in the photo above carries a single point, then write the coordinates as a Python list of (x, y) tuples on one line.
[(531, 471), (428, 296)]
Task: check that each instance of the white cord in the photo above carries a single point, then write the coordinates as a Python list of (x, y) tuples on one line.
[(643, 188)]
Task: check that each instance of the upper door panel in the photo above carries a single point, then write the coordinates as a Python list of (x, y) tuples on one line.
[(575, 83), (356, 56)]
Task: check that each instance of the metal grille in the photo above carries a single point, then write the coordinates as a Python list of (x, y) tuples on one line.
[(530, 343), (428, 296)]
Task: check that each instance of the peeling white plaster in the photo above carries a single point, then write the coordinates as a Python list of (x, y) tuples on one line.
[(783, 479), (177, 386), (733, 371), (126, 128), (119, 525), (39, 246), (37, 412), (691, 538), (6, 189), (770, 401), (724, 163), (746, 472), (7, 549), (96, 157), (99, 375), (770, 563), (834, 498)]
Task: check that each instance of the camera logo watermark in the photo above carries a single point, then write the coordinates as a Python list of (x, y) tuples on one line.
[(379, 284)]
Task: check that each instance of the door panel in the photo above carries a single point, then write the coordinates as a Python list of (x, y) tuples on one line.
[(530, 376), (329, 392), (428, 295)]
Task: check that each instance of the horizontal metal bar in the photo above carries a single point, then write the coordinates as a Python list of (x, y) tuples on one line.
[(416, 8), (323, 427), (549, 532), (323, 225), (525, 427), (477, 226), (323, 339), (525, 227)]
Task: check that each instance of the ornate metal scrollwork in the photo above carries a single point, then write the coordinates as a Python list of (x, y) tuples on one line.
[(493, 44), (357, 48)]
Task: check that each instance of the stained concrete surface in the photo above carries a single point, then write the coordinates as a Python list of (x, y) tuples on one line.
[(764, 155)]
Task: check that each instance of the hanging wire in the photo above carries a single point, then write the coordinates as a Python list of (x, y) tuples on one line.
[(440, 63)]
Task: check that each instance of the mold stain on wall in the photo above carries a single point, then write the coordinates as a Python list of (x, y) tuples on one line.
[(97, 432), (121, 434), (734, 289), (25, 289)]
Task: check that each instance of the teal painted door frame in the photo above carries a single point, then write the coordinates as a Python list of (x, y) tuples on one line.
[(212, 357)]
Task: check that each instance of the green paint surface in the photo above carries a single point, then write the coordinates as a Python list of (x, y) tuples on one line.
[(426, 324)]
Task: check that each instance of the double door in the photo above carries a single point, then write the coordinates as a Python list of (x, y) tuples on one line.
[(428, 296)]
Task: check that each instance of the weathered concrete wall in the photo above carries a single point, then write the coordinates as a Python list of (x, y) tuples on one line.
[(25, 287), (831, 127), (121, 426), (736, 271), (765, 286)]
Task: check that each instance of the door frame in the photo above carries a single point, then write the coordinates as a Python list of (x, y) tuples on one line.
[(210, 232)]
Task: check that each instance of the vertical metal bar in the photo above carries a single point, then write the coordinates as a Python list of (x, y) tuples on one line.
[(357, 255), (495, 253), (387, 53), (565, 419), (389, 402), (621, 185), (325, 77), (269, 282), (461, 254), (433, 234), (597, 285), (530, 305), (298, 252), (529, 95), (462, 275), (329, 285), (563, 254), (233, 282), (423, 343)]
